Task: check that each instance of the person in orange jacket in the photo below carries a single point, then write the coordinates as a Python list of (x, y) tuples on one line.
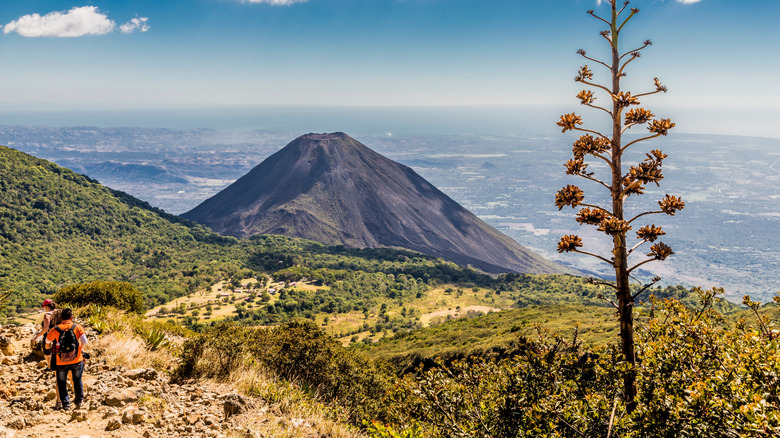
[(67, 340)]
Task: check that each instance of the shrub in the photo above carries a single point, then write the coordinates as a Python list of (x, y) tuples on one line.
[(297, 351), (375, 429), (4, 294), (122, 295), (695, 377), (543, 391), (155, 338), (215, 352)]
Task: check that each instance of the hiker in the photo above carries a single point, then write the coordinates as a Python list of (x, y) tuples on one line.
[(51, 318), (68, 339)]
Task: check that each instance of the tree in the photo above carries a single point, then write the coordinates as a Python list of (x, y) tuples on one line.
[(4, 300), (119, 294), (612, 220)]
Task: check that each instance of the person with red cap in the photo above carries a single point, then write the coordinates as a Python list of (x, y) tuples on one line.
[(50, 312), (51, 318), (70, 339)]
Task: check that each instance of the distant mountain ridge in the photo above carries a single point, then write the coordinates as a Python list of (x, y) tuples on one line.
[(332, 189), (115, 170)]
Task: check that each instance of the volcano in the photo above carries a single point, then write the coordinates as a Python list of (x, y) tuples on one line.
[(332, 189)]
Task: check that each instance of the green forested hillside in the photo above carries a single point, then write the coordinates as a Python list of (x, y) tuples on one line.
[(544, 306), (547, 306), (58, 227)]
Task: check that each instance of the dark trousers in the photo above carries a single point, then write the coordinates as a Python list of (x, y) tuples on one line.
[(62, 382)]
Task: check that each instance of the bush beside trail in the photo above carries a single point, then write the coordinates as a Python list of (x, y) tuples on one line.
[(298, 351), (122, 295)]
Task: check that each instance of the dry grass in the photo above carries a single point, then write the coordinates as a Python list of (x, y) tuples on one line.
[(439, 316), (120, 345), (290, 413), (280, 427), (155, 406), (130, 351)]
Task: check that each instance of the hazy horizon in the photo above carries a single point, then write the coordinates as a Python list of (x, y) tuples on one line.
[(381, 120)]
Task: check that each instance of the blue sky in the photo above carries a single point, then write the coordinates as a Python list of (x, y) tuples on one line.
[(719, 58)]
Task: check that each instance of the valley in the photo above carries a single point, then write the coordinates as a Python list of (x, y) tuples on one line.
[(435, 306)]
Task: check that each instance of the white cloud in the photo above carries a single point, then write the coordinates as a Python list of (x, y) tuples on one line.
[(276, 2), (86, 20), (136, 24)]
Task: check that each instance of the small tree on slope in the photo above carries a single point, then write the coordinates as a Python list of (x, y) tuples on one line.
[(625, 114)]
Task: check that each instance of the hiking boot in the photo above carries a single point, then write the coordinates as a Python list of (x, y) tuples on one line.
[(66, 407), (78, 403), (57, 406)]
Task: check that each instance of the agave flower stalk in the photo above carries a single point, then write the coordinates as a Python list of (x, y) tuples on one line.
[(624, 111)]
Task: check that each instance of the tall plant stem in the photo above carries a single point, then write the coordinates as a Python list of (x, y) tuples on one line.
[(624, 298)]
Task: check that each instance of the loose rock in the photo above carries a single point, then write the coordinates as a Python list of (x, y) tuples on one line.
[(192, 418), (234, 404), (108, 412), (145, 374), (113, 424), (16, 422), (79, 415), (122, 398)]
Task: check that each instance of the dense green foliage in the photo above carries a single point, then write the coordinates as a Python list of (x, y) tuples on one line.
[(296, 351), (694, 378), (528, 395), (58, 228), (119, 294), (496, 334), (272, 253)]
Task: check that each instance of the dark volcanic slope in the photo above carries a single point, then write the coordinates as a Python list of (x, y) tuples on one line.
[(332, 189)]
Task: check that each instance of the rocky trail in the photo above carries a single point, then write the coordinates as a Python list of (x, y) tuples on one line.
[(120, 402)]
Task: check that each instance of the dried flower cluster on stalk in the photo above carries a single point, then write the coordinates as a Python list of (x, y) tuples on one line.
[(625, 112)]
